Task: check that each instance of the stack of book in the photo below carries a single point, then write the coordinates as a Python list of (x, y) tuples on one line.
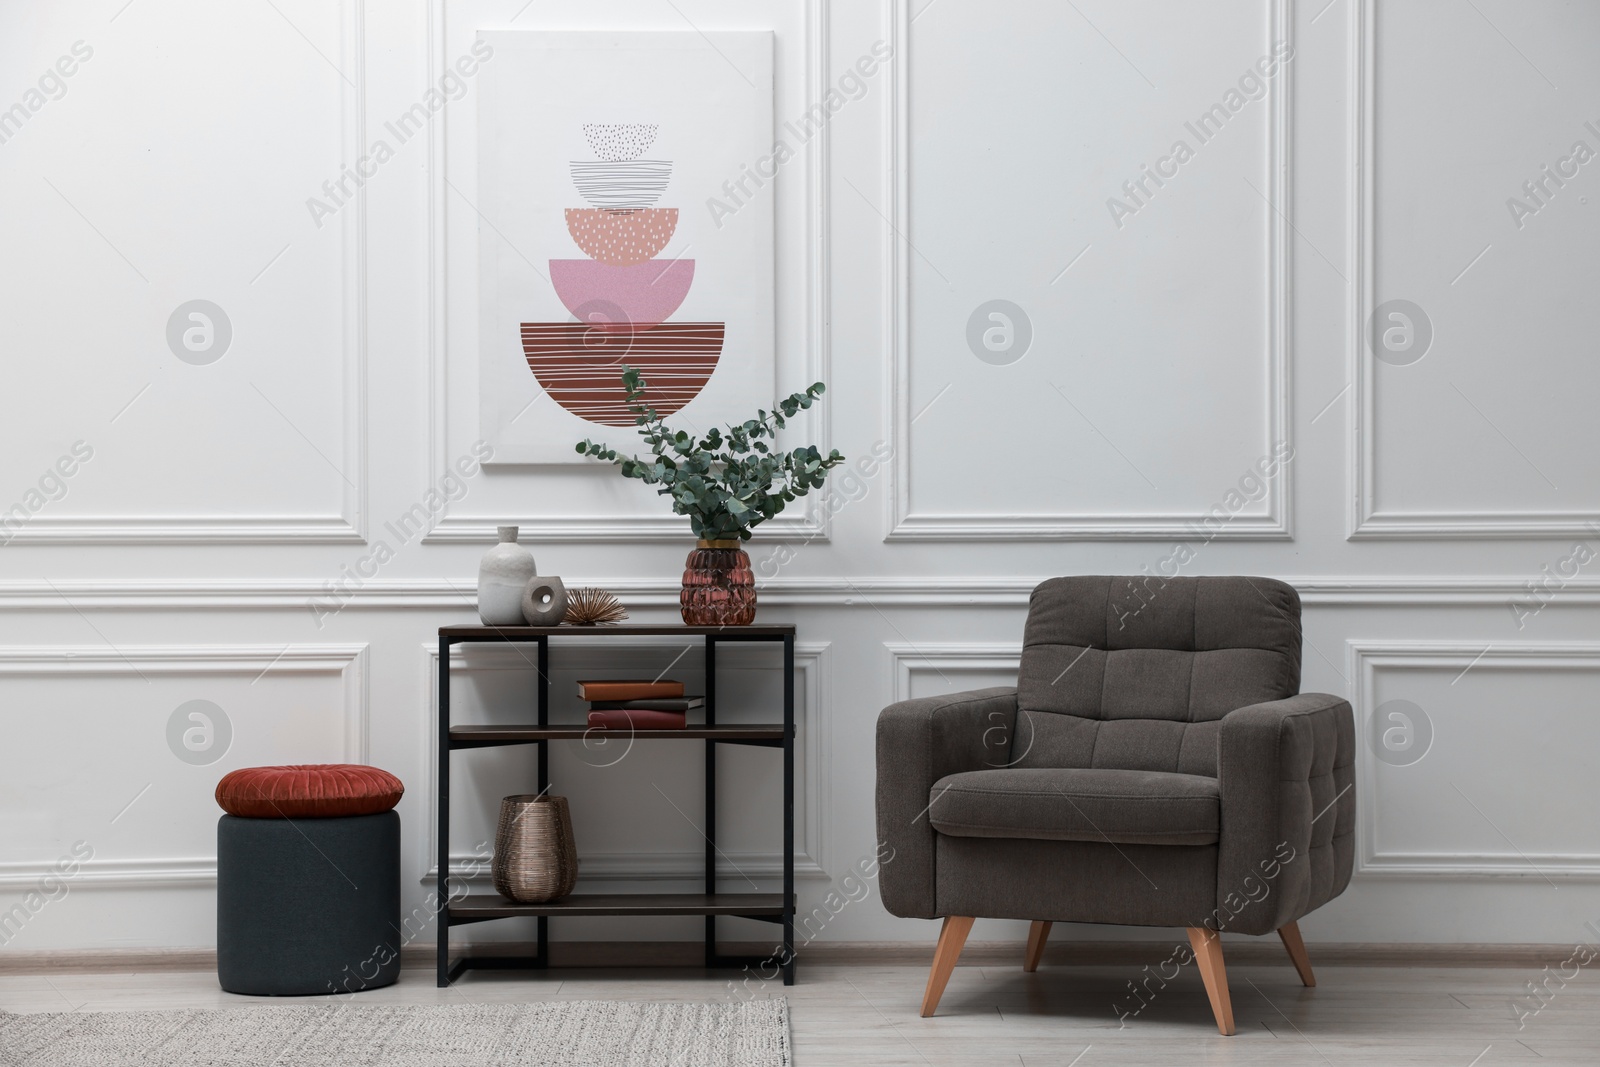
[(638, 705)]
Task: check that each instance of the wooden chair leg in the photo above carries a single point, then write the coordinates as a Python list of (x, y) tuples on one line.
[(1038, 934), (1208, 954), (1297, 952), (951, 937)]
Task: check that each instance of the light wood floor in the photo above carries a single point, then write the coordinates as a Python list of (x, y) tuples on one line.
[(866, 1013)]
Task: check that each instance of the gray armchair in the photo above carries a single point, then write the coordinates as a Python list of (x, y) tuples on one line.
[(1156, 765)]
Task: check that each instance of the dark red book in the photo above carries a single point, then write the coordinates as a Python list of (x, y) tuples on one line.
[(638, 720), (608, 689)]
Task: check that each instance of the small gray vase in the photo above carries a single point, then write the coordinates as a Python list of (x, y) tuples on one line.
[(502, 576), (544, 602)]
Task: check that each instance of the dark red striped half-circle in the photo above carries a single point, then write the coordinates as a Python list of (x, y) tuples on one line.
[(580, 365)]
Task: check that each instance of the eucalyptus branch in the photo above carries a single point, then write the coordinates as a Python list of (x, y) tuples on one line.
[(732, 479)]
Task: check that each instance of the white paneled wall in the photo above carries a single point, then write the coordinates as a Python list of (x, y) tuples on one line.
[(976, 160), (1184, 380)]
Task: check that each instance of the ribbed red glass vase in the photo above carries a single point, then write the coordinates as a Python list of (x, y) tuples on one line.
[(719, 588)]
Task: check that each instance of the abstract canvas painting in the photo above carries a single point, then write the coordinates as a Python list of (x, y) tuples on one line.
[(625, 218)]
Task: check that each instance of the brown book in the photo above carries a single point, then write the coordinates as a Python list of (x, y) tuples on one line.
[(607, 689), (638, 720)]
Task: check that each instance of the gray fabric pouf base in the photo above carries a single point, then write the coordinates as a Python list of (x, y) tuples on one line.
[(308, 906)]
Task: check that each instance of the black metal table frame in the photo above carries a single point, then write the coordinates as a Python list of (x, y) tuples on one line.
[(574, 905)]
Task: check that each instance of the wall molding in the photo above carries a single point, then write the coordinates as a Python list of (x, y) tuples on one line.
[(813, 522), (600, 530), (904, 524), (813, 777), (435, 594), (349, 525), (348, 661), (156, 873), (1366, 521), (1366, 658), (419, 953), (906, 659), (194, 529)]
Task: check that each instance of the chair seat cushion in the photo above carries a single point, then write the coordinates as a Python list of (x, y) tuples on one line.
[(1077, 804), (311, 791)]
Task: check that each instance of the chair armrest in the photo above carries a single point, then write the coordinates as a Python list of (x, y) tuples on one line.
[(919, 742), (1286, 773)]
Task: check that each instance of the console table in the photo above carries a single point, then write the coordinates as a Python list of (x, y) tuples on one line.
[(769, 907)]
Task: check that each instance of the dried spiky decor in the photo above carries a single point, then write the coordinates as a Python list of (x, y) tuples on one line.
[(593, 607)]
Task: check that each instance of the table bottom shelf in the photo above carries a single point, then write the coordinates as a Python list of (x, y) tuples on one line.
[(765, 907)]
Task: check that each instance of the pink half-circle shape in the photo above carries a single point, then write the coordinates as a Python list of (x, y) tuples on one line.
[(635, 297)]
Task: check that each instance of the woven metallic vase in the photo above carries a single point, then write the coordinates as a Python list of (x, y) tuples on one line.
[(535, 858)]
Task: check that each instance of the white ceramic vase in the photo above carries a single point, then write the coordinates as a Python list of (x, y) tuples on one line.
[(502, 576)]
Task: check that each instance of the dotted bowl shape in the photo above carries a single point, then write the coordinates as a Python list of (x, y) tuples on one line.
[(621, 186), (621, 238), (631, 298), (618, 141)]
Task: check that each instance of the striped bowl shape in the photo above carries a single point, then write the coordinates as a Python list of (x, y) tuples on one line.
[(622, 185), (580, 365)]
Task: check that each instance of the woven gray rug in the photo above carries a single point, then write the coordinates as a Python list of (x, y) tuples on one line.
[(579, 1033)]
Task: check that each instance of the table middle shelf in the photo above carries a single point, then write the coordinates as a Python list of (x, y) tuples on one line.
[(769, 906), (769, 734)]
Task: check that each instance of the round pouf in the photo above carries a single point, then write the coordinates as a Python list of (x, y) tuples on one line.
[(307, 905)]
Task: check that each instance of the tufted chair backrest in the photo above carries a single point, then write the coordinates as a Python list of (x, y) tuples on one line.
[(1135, 672)]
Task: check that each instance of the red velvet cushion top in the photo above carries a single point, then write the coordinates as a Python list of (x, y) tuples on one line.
[(315, 791)]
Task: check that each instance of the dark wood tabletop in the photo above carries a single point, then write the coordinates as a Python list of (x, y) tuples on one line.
[(517, 633)]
